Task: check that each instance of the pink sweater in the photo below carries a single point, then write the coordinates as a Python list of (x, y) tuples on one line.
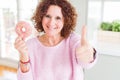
[(54, 63)]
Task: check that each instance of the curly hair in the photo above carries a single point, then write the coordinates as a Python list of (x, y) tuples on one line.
[(68, 12)]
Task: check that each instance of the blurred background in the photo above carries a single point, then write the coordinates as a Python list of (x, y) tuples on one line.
[(102, 18)]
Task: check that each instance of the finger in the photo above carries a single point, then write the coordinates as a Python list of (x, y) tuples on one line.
[(21, 46), (22, 37), (18, 39), (83, 35), (18, 42)]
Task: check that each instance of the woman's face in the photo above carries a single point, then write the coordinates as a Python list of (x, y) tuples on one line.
[(53, 21)]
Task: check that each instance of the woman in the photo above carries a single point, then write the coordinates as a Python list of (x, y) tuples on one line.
[(58, 53)]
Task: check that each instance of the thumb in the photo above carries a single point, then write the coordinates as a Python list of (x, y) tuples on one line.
[(83, 35), (22, 36)]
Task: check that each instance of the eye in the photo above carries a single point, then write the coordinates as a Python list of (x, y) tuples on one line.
[(47, 16), (58, 18)]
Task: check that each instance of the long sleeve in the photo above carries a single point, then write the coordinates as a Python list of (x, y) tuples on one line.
[(89, 65), (28, 75), (54, 63), (24, 76)]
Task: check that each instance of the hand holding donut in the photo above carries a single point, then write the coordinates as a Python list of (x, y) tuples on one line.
[(23, 29)]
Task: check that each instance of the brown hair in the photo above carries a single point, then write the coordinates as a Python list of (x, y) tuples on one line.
[(68, 12)]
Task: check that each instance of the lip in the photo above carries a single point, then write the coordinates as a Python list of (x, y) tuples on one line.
[(50, 28)]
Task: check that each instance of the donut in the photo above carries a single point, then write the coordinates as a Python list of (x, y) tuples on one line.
[(23, 29)]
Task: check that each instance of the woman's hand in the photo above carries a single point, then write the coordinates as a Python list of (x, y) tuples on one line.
[(84, 51), (20, 45)]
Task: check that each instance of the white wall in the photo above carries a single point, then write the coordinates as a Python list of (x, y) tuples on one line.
[(81, 8), (107, 68)]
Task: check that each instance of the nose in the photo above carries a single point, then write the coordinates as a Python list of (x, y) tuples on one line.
[(52, 22)]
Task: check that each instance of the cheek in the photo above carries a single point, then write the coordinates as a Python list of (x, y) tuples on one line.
[(60, 25), (43, 21)]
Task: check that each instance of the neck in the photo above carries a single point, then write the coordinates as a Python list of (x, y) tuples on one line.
[(51, 40)]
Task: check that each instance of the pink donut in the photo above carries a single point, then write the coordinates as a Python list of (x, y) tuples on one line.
[(23, 29)]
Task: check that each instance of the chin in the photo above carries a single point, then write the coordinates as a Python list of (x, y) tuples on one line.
[(50, 34)]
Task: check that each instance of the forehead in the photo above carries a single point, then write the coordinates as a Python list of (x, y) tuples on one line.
[(54, 10)]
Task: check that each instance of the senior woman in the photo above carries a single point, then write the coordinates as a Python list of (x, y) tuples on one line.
[(58, 53)]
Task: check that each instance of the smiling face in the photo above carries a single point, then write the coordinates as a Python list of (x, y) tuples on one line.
[(53, 21)]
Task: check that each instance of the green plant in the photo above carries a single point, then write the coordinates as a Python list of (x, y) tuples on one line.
[(106, 26), (114, 26)]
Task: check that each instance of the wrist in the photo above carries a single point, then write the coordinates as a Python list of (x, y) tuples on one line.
[(25, 62), (94, 55), (24, 57), (24, 66)]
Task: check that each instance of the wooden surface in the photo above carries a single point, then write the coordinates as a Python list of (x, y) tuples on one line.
[(5, 68)]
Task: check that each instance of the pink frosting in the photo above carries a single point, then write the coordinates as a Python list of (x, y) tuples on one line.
[(23, 29)]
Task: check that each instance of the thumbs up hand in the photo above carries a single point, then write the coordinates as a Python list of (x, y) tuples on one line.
[(84, 52)]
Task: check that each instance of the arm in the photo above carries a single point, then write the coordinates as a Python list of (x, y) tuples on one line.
[(85, 53), (26, 75), (24, 70)]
